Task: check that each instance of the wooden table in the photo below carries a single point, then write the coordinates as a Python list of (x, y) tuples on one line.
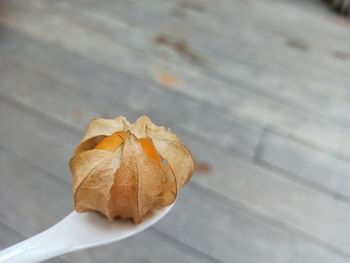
[(259, 90)]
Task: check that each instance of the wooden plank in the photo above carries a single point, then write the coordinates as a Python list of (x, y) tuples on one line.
[(244, 72), (35, 139), (242, 257), (238, 187), (247, 39), (262, 112), (194, 212), (264, 16), (114, 89), (306, 163), (222, 238), (299, 206), (28, 211), (297, 94), (262, 60), (74, 71), (45, 199), (256, 41), (8, 236), (141, 39), (293, 83), (149, 246), (55, 260)]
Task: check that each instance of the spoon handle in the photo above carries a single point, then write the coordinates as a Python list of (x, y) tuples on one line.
[(32, 250), (47, 244), (74, 232)]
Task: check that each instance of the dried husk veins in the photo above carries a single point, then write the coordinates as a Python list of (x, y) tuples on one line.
[(124, 192), (128, 182), (93, 191), (97, 129)]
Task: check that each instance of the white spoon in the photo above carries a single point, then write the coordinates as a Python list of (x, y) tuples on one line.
[(76, 231)]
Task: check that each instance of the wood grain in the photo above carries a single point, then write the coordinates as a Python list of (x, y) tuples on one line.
[(279, 104), (118, 88), (318, 168), (236, 187), (261, 96)]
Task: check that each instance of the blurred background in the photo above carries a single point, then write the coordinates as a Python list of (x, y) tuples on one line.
[(258, 90)]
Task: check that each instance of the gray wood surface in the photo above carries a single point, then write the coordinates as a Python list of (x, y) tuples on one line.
[(46, 205), (317, 168), (269, 100), (260, 96)]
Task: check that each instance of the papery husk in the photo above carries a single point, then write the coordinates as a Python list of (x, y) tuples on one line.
[(126, 182), (100, 128), (169, 147), (92, 179)]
